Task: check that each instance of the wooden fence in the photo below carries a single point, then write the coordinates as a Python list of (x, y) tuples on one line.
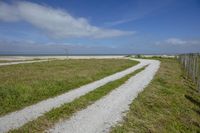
[(191, 64)]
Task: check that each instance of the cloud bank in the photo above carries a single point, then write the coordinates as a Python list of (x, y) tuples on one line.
[(54, 22), (13, 47), (9, 47), (178, 42)]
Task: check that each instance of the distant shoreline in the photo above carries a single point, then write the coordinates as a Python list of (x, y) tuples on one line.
[(78, 54)]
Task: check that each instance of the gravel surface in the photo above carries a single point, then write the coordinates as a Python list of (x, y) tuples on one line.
[(20, 62), (106, 112), (19, 118)]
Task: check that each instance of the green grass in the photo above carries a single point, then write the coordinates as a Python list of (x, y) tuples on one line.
[(170, 104), (25, 84), (7, 61), (67, 110)]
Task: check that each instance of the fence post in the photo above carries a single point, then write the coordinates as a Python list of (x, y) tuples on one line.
[(191, 65)]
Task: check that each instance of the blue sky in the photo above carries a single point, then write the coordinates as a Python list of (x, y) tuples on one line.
[(99, 26)]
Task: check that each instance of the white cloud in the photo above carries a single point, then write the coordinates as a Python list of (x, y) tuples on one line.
[(31, 47), (142, 10), (117, 22), (8, 12), (55, 22), (178, 42)]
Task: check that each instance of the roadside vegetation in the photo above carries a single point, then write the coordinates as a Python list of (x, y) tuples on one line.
[(169, 104), (7, 61), (67, 110), (25, 84)]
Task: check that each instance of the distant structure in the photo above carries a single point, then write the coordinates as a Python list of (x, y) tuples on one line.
[(66, 52)]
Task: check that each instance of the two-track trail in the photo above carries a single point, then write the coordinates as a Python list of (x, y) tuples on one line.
[(106, 112), (19, 118)]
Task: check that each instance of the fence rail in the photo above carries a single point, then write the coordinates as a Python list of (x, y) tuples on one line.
[(191, 64)]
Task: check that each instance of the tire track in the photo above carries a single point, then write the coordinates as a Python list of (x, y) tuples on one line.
[(20, 62), (106, 112), (19, 118)]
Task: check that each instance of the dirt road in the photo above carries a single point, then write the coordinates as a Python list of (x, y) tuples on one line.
[(19, 118), (106, 112)]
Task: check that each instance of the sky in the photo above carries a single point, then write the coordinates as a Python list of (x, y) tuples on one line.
[(99, 26)]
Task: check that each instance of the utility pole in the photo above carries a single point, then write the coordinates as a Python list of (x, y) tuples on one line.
[(66, 52)]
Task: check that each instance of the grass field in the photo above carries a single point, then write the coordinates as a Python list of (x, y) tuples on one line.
[(7, 61), (24, 84), (170, 104), (67, 110)]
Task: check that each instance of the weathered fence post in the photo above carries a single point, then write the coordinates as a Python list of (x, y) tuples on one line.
[(191, 64)]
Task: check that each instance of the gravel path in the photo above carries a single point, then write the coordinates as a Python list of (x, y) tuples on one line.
[(20, 62), (106, 112), (19, 118)]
